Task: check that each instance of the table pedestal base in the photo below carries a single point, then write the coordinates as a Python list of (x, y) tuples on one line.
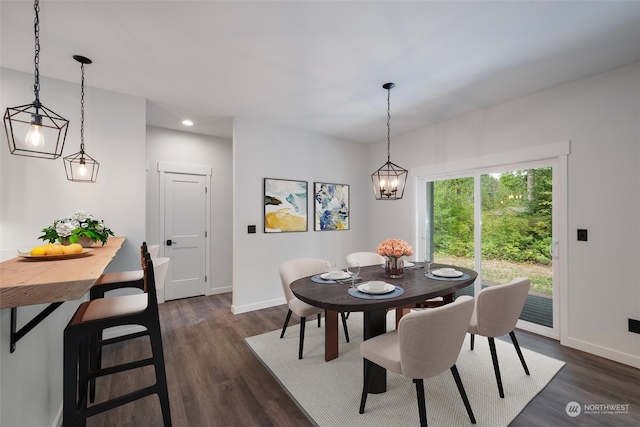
[(330, 335)]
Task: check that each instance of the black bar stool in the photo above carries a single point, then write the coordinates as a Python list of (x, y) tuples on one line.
[(93, 317), (120, 279), (109, 282)]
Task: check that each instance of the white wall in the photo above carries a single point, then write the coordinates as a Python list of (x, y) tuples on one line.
[(266, 151), (600, 116), (164, 145), (33, 193)]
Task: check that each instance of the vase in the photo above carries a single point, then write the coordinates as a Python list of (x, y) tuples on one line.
[(84, 241), (394, 267)]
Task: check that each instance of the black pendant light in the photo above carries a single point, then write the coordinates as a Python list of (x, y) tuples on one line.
[(389, 181), (34, 130), (80, 167)]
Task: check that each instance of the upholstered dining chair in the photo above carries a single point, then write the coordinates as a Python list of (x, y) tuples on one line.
[(365, 258), (291, 271), (425, 344), (97, 315), (496, 313)]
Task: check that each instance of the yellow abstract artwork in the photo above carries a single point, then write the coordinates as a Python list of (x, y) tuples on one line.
[(285, 205)]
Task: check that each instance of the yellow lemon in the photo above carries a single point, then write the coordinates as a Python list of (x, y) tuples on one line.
[(53, 250), (74, 248), (37, 251)]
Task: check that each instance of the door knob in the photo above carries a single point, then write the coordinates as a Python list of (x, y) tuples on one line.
[(169, 242)]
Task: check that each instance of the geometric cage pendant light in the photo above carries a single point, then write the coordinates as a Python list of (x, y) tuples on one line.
[(80, 167), (33, 130), (390, 180)]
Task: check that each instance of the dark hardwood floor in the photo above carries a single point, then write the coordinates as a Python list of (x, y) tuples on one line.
[(215, 380)]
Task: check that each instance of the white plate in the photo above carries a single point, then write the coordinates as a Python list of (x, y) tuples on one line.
[(406, 264), (388, 287), (342, 275), (454, 273)]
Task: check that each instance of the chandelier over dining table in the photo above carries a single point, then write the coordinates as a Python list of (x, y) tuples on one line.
[(389, 181)]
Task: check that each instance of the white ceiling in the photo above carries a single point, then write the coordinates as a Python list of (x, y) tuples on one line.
[(320, 65)]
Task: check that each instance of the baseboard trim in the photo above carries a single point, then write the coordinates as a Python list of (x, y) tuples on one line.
[(616, 356), (239, 309), (57, 422), (217, 291)]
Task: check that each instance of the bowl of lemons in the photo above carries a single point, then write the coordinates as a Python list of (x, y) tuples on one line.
[(51, 251)]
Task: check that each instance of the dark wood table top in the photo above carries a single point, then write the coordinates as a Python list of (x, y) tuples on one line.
[(417, 287)]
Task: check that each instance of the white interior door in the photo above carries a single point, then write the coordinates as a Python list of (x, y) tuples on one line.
[(185, 234)]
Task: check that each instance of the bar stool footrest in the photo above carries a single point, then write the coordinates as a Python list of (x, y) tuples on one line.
[(118, 401), (119, 368), (122, 338)]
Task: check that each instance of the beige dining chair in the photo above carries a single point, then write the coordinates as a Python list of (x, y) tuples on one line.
[(295, 269), (365, 258), (496, 313), (79, 370), (425, 344)]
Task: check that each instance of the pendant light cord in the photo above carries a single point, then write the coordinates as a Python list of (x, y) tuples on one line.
[(388, 124), (36, 59), (82, 110)]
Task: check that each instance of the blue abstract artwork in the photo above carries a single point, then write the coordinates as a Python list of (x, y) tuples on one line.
[(331, 203)]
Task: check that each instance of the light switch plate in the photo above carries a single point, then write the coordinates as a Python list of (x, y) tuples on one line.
[(582, 235)]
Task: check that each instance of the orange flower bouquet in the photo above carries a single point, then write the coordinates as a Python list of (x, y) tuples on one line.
[(394, 250)]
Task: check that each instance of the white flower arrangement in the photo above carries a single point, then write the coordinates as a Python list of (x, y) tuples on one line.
[(78, 224)]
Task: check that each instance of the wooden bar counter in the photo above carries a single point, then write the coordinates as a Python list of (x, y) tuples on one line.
[(24, 282)]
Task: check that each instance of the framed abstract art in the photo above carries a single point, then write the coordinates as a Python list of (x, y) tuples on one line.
[(331, 206), (285, 205)]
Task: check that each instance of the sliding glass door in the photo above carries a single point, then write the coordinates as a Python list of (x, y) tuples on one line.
[(501, 223), (517, 235)]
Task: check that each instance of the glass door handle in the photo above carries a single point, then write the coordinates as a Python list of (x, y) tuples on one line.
[(553, 250)]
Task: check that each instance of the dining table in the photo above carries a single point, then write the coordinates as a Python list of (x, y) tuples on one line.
[(27, 280), (414, 286)]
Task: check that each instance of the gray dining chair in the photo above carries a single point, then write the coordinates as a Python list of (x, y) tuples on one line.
[(425, 344), (295, 269), (496, 313)]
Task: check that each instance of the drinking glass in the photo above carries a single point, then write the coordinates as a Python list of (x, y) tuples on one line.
[(353, 268), (331, 266), (428, 263)]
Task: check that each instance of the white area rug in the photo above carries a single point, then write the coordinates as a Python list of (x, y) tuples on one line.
[(329, 392)]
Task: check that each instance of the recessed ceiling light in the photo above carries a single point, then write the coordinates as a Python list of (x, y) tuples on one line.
[(187, 122)]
